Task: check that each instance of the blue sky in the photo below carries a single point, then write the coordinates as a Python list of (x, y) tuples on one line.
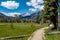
[(20, 6)]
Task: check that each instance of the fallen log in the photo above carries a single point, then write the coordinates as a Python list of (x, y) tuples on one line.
[(11, 37), (53, 33)]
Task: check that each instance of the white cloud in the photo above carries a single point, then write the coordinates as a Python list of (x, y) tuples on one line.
[(10, 4), (13, 14), (36, 4), (32, 9), (28, 3), (40, 1), (41, 7), (33, 1)]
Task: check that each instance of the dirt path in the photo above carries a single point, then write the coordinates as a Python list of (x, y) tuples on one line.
[(38, 35)]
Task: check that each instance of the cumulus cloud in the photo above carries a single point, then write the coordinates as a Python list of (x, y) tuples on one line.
[(10, 4), (41, 7), (32, 9), (36, 4), (33, 1), (40, 1), (28, 3)]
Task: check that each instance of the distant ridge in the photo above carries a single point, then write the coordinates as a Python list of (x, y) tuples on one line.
[(26, 16), (32, 16)]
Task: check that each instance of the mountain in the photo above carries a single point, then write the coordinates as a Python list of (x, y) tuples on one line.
[(25, 16), (5, 18), (2, 16), (31, 17)]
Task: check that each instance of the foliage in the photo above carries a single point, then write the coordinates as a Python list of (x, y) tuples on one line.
[(50, 12)]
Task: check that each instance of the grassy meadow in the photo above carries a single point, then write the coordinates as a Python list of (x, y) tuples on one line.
[(15, 29)]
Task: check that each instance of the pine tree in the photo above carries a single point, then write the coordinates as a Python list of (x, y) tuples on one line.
[(51, 11)]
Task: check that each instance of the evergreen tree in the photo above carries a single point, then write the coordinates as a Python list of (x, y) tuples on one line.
[(51, 11)]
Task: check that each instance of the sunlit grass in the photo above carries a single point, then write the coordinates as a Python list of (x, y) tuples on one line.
[(18, 29), (53, 37)]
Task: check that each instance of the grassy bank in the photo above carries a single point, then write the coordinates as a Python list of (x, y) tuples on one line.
[(53, 37), (14, 29)]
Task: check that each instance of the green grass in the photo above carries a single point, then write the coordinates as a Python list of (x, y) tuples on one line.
[(6, 29), (53, 37)]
